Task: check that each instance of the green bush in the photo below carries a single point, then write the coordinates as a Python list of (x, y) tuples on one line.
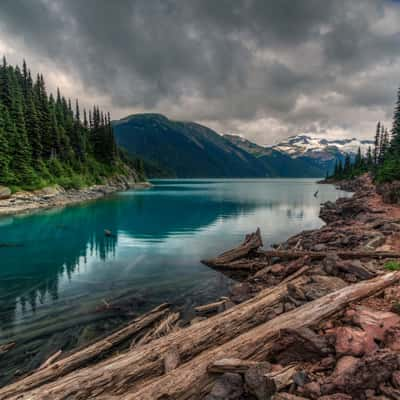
[(392, 266)]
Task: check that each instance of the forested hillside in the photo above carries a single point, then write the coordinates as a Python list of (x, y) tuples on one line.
[(183, 149), (47, 140)]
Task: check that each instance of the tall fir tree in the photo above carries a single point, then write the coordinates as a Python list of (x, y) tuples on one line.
[(395, 142)]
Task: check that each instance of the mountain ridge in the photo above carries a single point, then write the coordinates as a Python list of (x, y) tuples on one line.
[(186, 149)]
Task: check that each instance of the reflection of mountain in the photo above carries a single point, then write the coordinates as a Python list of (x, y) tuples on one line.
[(56, 243)]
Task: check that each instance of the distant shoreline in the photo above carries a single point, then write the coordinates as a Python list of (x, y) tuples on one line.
[(55, 196)]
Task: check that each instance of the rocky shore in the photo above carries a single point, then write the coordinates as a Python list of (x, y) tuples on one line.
[(56, 196), (315, 317)]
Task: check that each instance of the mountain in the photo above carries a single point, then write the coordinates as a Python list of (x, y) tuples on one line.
[(190, 150), (184, 149), (279, 164), (319, 148), (321, 151)]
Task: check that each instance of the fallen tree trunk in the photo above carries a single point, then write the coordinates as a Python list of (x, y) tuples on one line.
[(129, 370), (192, 381), (315, 255), (84, 356), (233, 365), (252, 242)]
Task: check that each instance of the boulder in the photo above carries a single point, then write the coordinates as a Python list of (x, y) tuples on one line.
[(354, 342), (375, 323), (5, 192), (257, 384), (227, 387), (355, 375)]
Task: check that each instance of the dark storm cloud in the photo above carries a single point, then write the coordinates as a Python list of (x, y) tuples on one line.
[(299, 64)]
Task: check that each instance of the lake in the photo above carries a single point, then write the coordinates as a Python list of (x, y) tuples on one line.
[(66, 272)]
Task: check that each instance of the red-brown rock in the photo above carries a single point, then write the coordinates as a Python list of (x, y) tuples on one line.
[(354, 342), (396, 379), (336, 396), (392, 338), (375, 323)]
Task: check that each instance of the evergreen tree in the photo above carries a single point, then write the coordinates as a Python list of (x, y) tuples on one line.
[(395, 142), (41, 137), (5, 157), (369, 160), (376, 143)]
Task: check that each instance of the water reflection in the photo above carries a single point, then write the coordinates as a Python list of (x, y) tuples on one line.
[(67, 265)]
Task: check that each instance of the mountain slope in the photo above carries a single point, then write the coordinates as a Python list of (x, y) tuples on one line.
[(279, 164), (311, 146), (187, 149)]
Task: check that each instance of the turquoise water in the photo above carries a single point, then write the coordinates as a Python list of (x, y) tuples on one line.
[(66, 270)]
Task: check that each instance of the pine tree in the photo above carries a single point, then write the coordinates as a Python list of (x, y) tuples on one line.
[(4, 150), (376, 143), (347, 165), (369, 160), (42, 137), (395, 142)]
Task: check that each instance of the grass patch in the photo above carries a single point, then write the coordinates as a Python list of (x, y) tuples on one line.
[(392, 266)]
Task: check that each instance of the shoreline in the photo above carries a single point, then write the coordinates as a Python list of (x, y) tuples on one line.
[(298, 299), (25, 202)]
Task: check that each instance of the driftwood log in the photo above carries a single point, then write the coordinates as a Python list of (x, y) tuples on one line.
[(51, 370), (316, 255), (148, 360), (234, 365), (249, 257), (252, 242), (131, 376), (191, 380)]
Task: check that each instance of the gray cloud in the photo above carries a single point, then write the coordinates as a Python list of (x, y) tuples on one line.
[(263, 68)]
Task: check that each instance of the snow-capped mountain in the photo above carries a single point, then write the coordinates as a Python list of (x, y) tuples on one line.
[(320, 148)]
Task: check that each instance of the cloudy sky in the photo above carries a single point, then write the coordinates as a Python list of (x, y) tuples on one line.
[(265, 69)]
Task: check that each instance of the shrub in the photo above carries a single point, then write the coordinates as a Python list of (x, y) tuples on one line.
[(392, 266)]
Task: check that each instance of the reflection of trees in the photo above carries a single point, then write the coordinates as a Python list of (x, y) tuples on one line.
[(56, 243)]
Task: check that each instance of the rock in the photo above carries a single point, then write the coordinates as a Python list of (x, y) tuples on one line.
[(300, 378), (330, 264), (5, 192), (345, 365), (336, 396), (277, 269), (392, 338), (311, 390), (319, 247), (389, 391), (357, 375), (375, 323), (227, 387), (299, 345), (49, 192), (396, 379), (286, 396), (257, 384), (241, 292), (353, 342)]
